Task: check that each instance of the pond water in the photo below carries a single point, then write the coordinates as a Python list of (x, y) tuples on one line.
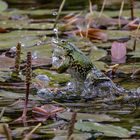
[(82, 23)]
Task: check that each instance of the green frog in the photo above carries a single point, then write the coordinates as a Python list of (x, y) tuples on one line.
[(92, 81), (74, 60), (89, 81)]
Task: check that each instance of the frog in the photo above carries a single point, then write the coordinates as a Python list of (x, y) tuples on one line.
[(79, 66), (74, 61), (90, 82)]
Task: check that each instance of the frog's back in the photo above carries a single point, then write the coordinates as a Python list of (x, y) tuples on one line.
[(81, 62), (80, 57)]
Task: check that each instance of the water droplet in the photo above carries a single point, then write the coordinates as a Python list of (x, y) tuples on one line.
[(54, 13), (13, 49), (41, 81), (39, 43), (45, 93), (22, 45), (55, 30), (56, 62), (71, 86), (34, 55)]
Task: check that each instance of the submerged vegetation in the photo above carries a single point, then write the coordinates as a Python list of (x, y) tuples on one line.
[(59, 65)]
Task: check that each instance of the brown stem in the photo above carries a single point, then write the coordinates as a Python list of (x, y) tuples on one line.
[(28, 82), (71, 125), (134, 45), (16, 70), (132, 9)]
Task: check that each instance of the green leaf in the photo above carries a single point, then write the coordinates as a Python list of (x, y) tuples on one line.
[(85, 116), (106, 129), (13, 95)]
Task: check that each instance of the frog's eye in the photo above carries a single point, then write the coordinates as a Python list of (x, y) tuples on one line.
[(63, 41)]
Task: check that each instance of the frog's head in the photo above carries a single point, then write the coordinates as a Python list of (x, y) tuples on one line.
[(66, 46)]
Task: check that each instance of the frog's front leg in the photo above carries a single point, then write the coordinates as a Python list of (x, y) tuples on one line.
[(64, 66)]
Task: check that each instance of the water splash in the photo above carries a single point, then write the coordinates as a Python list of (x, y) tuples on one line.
[(55, 30), (71, 86), (23, 45), (54, 12), (34, 55), (13, 49), (56, 62), (44, 78), (54, 41), (57, 54), (41, 82), (57, 57), (45, 94), (39, 43)]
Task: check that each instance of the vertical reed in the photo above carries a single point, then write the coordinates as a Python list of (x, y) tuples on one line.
[(71, 125)]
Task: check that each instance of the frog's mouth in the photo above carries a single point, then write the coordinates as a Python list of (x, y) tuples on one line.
[(58, 43)]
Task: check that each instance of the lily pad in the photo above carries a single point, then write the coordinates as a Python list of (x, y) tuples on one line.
[(54, 77), (129, 68), (100, 65), (125, 13), (42, 51), (14, 95), (106, 129), (91, 117), (114, 34), (136, 52), (97, 54), (4, 74), (6, 62), (10, 39)]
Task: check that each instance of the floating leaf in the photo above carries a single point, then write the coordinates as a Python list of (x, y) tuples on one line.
[(104, 19), (97, 54), (85, 116), (106, 129), (54, 77), (6, 62), (13, 95)]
